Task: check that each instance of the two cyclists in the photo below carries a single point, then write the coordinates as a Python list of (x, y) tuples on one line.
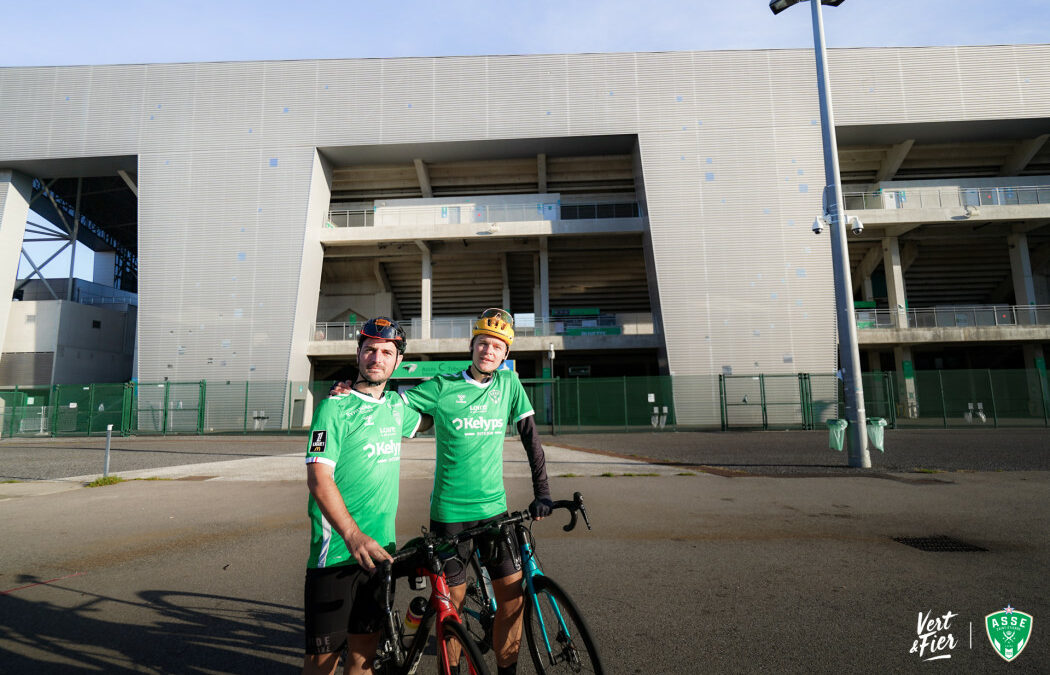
[(471, 410)]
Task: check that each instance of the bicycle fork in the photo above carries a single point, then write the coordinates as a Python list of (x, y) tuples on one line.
[(531, 571)]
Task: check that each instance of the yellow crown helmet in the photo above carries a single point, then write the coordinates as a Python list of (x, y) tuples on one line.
[(496, 327)]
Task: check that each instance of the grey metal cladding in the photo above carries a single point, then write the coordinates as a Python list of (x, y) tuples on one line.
[(729, 144)]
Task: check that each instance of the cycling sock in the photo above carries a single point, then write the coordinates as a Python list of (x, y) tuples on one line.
[(507, 670)]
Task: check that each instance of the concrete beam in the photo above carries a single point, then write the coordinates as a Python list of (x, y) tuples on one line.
[(129, 181), (1022, 155), (891, 164), (541, 173), (919, 336), (868, 265), (424, 178)]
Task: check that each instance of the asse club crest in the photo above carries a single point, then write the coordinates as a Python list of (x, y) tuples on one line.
[(1009, 631)]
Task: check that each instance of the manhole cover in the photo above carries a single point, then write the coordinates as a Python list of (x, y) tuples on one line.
[(939, 544)]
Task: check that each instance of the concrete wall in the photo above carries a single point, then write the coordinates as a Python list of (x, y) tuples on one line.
[(230, 184)]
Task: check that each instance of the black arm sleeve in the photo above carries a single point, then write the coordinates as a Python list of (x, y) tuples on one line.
[(530, 439)]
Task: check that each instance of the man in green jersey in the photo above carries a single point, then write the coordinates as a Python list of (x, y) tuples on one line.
[(471, 410), (353, 466)]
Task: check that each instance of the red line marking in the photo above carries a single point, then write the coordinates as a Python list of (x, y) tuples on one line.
[(41, 583)]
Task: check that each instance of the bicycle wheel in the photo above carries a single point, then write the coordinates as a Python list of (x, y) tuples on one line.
[(477, 613), (558, 637), (456, 638)]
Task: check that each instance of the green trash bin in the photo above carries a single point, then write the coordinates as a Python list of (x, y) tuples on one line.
[(837, 433), (877, 433)]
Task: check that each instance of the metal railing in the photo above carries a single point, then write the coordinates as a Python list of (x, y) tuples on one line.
[(948, 197), (351, 218), (455, 214), (955, 317), (604, 324)]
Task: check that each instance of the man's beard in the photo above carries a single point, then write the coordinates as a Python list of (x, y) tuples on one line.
[(363, 375)]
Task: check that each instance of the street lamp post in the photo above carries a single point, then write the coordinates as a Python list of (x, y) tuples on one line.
[(849, 355)]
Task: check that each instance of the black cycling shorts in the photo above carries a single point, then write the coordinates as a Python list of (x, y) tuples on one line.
[(503, 562), (340, 600)]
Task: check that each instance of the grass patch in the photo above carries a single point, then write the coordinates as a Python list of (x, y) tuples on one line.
[(921, 470), (685, 473), (105, 480), (569, 475), (10, 481), (609, 474)]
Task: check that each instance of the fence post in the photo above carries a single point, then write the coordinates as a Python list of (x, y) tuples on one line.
[(1041, 374), (246, 383), (944, 404), (202, 402), (554, 407), (127, 408), (167, 400), (625, 423), (577, 405), (891, 401), (762, 400), (722, 401), (54, 410), (803, 403), (91, 407), (991, 392)]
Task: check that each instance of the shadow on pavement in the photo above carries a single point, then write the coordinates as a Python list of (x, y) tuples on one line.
[(177, 632)]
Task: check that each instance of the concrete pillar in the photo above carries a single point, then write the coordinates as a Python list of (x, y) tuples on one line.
[(906, 381), (1021, 269), (427, 297), (506, 282), (867, 293), (891, 263), (15, 192), (545, 286), (1035, 370), (300, 370)]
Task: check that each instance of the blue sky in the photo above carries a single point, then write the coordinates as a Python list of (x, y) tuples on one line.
[(63, 32), (101, 32)]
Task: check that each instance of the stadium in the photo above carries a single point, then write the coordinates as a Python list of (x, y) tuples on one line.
[(647, 218)]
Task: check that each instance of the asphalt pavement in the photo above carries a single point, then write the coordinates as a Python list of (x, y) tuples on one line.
[(727, 553)]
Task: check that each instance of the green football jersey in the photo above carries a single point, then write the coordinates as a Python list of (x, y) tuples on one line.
[(360, 438), (470, 420)]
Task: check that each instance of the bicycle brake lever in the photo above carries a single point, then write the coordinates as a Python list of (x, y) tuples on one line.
[(578, 499)]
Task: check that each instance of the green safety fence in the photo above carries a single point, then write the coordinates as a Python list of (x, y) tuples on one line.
[(945, 399)]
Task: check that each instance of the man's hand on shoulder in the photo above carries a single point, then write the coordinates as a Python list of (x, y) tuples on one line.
[(340, 388)]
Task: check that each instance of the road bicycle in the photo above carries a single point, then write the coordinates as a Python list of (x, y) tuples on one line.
[(397, 653), (558, 637)]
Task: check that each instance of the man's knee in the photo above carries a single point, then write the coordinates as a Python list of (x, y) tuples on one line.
[(320, 664)]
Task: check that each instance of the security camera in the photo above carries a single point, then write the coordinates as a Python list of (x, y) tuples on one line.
[(855, 226), (819, 224)]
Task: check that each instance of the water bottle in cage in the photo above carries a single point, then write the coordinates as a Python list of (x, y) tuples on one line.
[(414, 614)]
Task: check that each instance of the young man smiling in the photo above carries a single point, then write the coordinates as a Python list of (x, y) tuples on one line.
[(471, 410)]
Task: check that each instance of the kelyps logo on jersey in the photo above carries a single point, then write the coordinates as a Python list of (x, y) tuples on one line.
[(391, 449), (318, 440), (478, 424)]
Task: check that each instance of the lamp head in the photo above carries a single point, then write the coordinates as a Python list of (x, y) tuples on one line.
[(778, 6)]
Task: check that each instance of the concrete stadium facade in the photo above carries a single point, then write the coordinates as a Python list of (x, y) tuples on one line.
[(234, 167)]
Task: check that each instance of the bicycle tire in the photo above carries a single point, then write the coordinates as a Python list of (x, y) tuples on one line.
[(476, 616), (469, 655), (571, 653)]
